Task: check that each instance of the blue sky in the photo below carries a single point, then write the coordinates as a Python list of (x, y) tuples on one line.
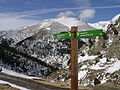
[(19, 13)]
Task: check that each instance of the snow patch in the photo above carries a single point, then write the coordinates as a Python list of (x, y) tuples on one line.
[(114, 67), (104, 80), (96, 67), (103, 60), (83, 67), (99, 64), (86, 57), (115, 18), (10, 72), (82, 74), (13, 85)]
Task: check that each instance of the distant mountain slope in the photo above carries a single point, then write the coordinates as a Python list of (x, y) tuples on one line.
[(36, 40), (12, 59), (99, 58), (105, 24)]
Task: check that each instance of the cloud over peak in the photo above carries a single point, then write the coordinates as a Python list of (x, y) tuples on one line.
[(87, 14), (66, 14)]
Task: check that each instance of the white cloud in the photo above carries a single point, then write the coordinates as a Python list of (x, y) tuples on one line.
[(13, 20), (44, 11), (8, 22), (16, 20), (67, 13), (87, 14)]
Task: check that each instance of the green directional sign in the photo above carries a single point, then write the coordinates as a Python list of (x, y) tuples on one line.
[(62, 36), (90, 33), (82, 34)]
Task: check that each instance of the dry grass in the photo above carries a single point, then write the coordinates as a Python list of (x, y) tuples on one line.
[(110, 86), (60, 84)]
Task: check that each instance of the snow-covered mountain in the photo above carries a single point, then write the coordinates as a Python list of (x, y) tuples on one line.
[(100, 25), (99, 58), (36, 40), (51, 26), (104, 24)]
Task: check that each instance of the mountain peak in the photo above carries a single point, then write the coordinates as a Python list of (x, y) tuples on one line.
[(115, 18), (104, 24)]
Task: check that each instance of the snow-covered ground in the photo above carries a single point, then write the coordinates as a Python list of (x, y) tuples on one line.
[(10, 72), (13, 85), (108, 66), (86, 57), (98, 65), (82, 74), (114, 67)]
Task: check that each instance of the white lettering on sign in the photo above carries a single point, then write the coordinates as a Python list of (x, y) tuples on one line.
[(86, 34)]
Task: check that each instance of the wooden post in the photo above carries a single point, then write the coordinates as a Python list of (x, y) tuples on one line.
[(74, 59)]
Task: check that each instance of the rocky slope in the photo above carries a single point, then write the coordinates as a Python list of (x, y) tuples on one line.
[(99, 58)]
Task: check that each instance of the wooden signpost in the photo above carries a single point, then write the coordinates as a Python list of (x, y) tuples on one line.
[(74, 59), (74, 35)]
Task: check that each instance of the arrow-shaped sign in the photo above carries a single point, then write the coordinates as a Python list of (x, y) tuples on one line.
[(91, 33), (62, 36), (81, 34)]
